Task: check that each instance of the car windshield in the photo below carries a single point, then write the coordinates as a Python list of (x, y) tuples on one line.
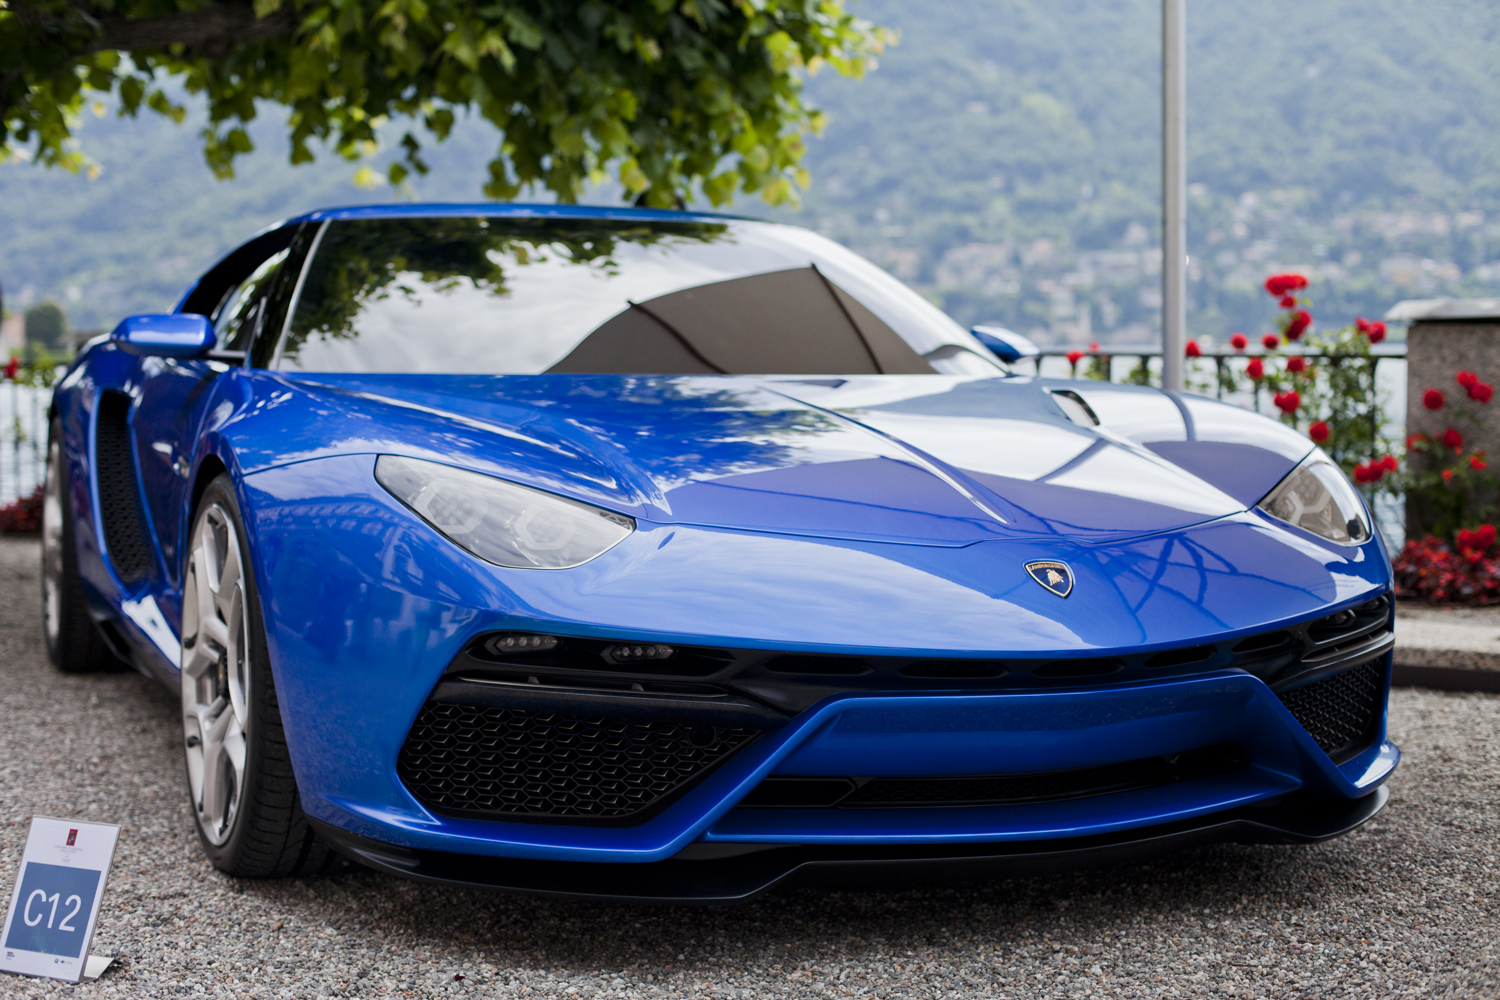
[(533, 295)]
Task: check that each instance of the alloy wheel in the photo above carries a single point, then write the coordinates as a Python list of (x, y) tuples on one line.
[(215, 672)]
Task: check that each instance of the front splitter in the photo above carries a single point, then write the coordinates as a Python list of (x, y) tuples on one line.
[(706, 873)]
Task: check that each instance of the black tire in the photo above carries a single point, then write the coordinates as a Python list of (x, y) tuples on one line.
[(268, 836), (74, 644)]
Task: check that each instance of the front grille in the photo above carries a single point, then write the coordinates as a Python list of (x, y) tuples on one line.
[(994, 789), (515, 764), (1341, 713), (120, 516)]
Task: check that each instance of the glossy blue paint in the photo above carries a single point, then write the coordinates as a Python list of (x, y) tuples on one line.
[(871, 515), (166, 335), (1007, 345)]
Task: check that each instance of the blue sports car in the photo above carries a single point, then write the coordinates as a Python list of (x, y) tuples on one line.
[(672, 556)]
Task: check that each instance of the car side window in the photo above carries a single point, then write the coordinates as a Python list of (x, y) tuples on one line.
[(244, 306)]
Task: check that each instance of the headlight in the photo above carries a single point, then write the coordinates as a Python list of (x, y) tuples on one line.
[(501, 522), (1316, 496)]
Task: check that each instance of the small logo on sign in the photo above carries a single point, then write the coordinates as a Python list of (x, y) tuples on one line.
[(1055, 576), (72, 837)]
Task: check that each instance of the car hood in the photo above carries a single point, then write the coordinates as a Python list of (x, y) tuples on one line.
[(930, 460)]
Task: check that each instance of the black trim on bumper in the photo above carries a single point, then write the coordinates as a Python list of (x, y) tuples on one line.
[(728, 873)]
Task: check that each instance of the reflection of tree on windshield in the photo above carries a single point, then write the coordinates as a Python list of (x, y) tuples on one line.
[(361, 262)]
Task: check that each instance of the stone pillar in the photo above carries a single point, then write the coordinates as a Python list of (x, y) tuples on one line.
[(1447, 336)]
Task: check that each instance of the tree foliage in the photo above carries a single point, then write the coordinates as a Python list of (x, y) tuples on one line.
[(671, 97)]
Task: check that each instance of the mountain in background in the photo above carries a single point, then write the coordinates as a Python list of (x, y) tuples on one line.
[(1004, 159)]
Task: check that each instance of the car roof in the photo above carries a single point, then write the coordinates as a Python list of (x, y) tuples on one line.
[(512, 211)]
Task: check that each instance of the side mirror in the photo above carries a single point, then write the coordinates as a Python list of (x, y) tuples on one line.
[(165, 335), (1005, 344)]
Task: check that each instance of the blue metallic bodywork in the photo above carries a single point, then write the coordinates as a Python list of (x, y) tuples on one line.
[(874, 515)]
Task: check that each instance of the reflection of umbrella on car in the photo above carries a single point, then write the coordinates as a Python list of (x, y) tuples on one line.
[(794, 321)]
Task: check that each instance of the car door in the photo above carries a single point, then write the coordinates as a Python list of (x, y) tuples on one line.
[(174, 396)]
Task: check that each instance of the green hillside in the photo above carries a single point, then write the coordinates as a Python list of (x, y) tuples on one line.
[(1003, 159)]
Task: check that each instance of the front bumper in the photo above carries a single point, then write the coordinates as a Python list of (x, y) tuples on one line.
[(977, 734), (700, 874)]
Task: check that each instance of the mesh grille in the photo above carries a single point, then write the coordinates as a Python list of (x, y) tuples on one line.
[(1001, 788), (504, 761), (1340, 712), (119, 500)]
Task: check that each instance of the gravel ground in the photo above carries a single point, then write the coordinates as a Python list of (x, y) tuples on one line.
[(1407, 906)]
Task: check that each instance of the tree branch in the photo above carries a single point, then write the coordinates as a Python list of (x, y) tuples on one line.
[(211, 31)]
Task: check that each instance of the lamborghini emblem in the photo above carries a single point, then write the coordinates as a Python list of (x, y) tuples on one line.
[(1055, 576)]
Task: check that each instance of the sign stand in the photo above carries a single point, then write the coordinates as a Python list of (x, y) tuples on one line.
[(50, 922)]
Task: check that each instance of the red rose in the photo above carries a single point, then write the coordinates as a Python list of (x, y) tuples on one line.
[(1482, 392), (1416, 442), (1298, 324), (1390, 463), (1288, 301), (1191, 350), (1318, 432), (1361, 324), (1271, 341), (1432, 399), (1279, 285), (1486, 535), (11, 367), (1466, 379), (1478, 464), (1255, 369), (1447, 474), (1370, 473), (1376, 332), (1452, 438), (1074, 357), (1295, 364), (1238, 342), (1287, 402)]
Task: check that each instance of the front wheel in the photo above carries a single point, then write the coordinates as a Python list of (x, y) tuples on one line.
[(240, 780)]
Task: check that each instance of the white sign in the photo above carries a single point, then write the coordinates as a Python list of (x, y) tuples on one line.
[(56, 902)]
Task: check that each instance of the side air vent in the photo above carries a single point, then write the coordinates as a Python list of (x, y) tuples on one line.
[(843, 665), (1181, 657), (1264, 643), (1087, 667), (955, 668), (120, 513), (1349, 623)]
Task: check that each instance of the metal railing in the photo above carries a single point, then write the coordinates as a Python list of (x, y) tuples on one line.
[(1141, 372), (24, 401)]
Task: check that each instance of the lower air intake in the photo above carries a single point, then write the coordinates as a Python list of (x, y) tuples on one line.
[(1341, 713), (512, 764)]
